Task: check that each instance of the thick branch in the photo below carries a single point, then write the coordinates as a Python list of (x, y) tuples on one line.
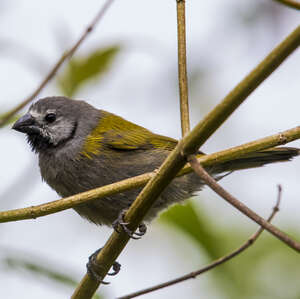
[(212, 183), (68, 54), (214, 264), (52, 207), (139, 181)]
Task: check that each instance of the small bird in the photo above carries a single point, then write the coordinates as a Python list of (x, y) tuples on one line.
[(81, 148)]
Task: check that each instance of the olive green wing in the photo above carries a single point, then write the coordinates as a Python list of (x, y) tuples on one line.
[(163, 142), (114, 132), (138, 138)]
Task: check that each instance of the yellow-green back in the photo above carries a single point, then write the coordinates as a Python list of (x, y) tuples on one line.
[(117, 133)]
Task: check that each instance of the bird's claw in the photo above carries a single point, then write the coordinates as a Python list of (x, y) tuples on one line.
[(142, 229), (116, 269), (93, 268)]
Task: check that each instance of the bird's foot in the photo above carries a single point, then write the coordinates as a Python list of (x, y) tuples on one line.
[(93, 268), (142, 229)]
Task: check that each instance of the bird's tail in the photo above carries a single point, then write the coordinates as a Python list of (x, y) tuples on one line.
[(257, 159)]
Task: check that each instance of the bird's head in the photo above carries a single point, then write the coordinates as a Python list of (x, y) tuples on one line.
[(53, 121)]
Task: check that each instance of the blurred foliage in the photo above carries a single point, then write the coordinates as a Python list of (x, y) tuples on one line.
[(20, 187), (254, 13), (253, 272), (27, 57), (186, 219), (251, 18), (39, 269), (80, 70)]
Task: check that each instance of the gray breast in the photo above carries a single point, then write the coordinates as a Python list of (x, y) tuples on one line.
[(70, 174)]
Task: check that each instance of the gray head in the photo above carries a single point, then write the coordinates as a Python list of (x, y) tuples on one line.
[(53, 121)]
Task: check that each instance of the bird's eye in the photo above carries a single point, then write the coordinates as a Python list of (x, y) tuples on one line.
[(50, 117)]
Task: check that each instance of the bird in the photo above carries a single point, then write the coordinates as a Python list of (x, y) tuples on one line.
[(81, 147)]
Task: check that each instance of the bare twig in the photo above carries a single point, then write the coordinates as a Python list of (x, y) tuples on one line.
[(214, 264), (290, 3), (182, 68), (68, 54), (212, 183), (34, 212)]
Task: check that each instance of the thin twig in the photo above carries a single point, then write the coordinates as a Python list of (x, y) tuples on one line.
[(34, 212), (68, 54), (212, 183), (214, 264), (290, 3), (182, 68)]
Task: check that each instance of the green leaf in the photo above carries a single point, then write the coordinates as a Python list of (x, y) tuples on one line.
[(250, 274), (197, 226), (187, 219), (82, 69)]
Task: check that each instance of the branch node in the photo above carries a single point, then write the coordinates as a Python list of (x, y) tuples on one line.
[(282, 138), (32, 213)]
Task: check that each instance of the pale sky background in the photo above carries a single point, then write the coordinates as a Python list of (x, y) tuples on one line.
[(147, 31)]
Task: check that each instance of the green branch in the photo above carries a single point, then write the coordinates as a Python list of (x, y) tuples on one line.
[(182, 68)]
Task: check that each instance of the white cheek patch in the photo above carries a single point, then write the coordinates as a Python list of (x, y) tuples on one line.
[(60, 131), (56, 132)]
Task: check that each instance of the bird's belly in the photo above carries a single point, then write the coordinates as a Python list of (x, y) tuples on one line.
[(71, 177)]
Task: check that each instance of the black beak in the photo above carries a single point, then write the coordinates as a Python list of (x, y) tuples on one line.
[(26, 124)]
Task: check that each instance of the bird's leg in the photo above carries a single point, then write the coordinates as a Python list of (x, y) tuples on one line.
[(121, 222), (93, 268)]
